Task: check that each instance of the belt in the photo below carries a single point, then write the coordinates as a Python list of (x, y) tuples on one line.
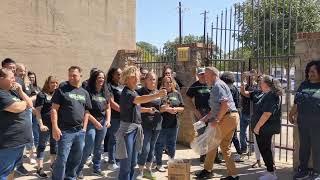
[(229, 112)]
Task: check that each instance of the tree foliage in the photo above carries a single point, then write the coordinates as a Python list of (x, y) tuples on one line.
[(270, 26)]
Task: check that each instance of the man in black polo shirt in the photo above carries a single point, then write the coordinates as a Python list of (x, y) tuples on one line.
[(15, 127), (70, 105)]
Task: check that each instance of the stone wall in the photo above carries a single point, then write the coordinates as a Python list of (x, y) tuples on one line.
[(186, 73), (50, 35), (307, 48)]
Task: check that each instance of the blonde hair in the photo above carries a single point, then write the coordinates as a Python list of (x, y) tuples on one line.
[(129, 72)]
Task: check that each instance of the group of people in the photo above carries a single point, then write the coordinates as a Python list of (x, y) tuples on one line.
[(133, 116)]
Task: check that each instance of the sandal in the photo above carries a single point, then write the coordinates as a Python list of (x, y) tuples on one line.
[(256, 163)]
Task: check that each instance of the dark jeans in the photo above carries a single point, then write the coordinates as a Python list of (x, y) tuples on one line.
[(309, 141), (149, 142), (167, 138), (235, 142), (8, 160), (127, 165), (115, 123), (244, 123), (93, 141), (264, 144), (44, 137), (70, 147)]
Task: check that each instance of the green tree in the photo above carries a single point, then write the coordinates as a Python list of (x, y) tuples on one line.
[(270, 26), (147, 47), (170, 47)]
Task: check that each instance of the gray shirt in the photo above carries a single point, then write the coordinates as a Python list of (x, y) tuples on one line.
[(220, 91)]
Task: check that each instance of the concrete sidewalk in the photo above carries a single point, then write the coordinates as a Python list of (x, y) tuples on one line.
[(284, 171)]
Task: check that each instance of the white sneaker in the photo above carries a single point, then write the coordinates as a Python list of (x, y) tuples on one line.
[(113, 167), (32, 161), (89, 161), (105, 157), (269, 176)]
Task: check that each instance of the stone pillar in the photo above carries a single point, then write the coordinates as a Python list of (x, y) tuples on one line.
[(125, 58), (307, 48), (186, 73)]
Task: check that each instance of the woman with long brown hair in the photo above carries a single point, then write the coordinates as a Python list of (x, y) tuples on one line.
[(173, 105), (43, 114)]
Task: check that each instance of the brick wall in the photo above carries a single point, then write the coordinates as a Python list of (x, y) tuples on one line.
[(50, 35)]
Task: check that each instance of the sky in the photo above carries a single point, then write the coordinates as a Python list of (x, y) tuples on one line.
[(158, 20)]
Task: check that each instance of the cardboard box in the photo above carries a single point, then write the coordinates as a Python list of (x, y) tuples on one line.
[(179, 170)]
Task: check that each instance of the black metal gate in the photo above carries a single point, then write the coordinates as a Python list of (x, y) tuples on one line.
[(260, 35)]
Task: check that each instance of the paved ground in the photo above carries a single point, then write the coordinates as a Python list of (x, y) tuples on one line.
[(284, 170)]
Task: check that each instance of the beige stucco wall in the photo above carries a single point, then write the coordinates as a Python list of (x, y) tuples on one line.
[(50, 35)]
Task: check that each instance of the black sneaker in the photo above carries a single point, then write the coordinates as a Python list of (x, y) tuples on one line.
[(99, 173), (204, 174), (230, 178), (41, 174), (22, 171), (302, 175), (217, 160), (80, 175)]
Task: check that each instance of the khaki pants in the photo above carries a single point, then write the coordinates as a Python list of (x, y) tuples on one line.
[(227, 127)]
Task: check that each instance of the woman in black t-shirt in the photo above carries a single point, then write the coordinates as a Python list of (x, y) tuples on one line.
[(99, 122), (266, 121), (43, 114), (151, 124), (130, 134), (115, 89), (305, 113), (173, 104)]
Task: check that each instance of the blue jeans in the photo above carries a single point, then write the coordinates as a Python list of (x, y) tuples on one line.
[(93, 142), (149, 142), (115, 123), (127, 165), (244, 123), (70, 147), (44, 137), (8, 160), (167, 138), (35, 131)]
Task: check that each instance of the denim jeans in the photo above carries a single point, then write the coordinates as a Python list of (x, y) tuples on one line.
[(35, 131), (44, 137), (167, 138), (127, 165), (149, 142), (115, 123), (8, 160), (93, 143), (244, 123), (70, 147)]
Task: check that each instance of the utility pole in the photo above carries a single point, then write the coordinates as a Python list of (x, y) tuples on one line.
[(211, 48), (180, 24), (204, 26)]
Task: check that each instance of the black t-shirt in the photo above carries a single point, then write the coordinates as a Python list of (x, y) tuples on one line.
[(85, 84), (150, 121), (99, 101), (15, 128), (235, 95), (129, 112), (174, 99), (115, 92), (308, 101), (201, 94), (269, 102), (245, 101), (44, 100), (73, 104)]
